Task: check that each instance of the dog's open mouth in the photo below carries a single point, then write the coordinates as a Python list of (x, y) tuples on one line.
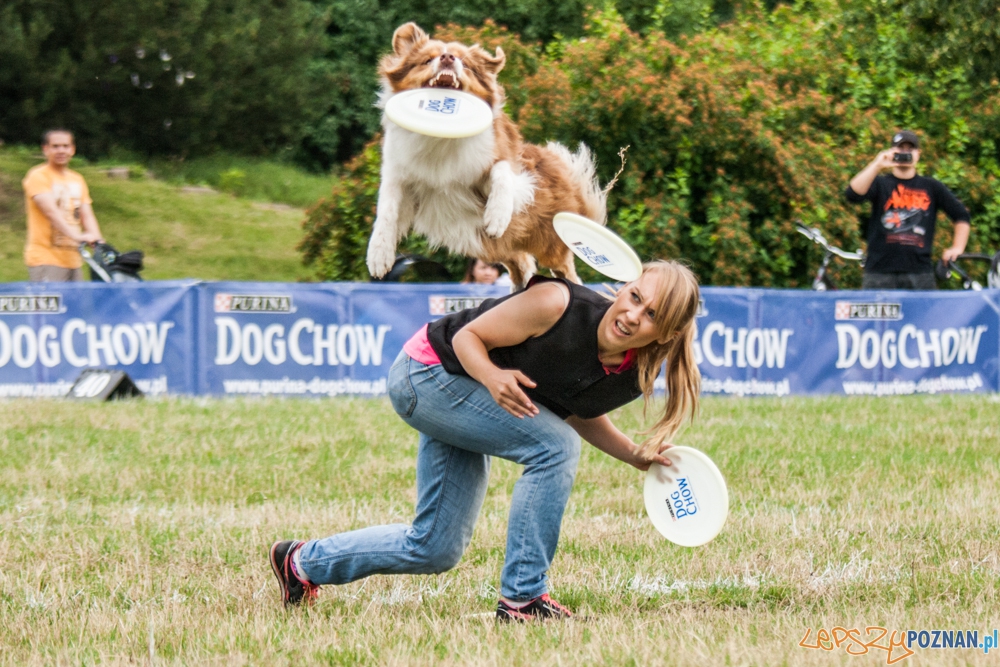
[(444, 79)]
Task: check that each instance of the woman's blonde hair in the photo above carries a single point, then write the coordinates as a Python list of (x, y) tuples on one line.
[(676, 309)]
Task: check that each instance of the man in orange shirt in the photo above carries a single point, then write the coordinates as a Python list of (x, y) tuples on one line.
[(60, 217)]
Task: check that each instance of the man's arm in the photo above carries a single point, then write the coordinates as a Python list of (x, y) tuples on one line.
[(959, 215), (47, 205), (961, 238), (862, 181), (89, 221), (603, 434)]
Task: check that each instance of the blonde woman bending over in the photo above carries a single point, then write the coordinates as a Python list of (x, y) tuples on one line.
[(523, 377)]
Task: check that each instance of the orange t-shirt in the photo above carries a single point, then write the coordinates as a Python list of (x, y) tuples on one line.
[(45, 245)]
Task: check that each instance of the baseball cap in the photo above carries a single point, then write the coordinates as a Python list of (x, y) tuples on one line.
[(905, 137)]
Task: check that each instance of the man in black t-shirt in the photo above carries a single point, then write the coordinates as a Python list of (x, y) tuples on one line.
[(904, 211)]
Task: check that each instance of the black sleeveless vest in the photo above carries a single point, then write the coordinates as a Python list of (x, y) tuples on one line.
[(563, 361)]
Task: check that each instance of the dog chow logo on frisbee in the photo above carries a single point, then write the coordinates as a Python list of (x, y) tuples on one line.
[(254, 303), (847, 310), (591, 256), (21, 304), (682, 502), (448, 105), (443, 305)]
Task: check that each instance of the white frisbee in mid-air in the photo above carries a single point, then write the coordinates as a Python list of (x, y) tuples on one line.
[(599, 247), (687, 502), (439, 112)]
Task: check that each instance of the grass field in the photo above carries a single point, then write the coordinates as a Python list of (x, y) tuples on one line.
[(137, 533), (184, 234)]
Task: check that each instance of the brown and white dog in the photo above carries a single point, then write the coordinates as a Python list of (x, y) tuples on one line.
[(489, 196)]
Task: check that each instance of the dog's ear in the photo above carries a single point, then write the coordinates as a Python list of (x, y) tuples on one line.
[(494, 64), (406, 37)]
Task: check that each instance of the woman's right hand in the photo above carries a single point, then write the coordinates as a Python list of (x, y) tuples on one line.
[(505, 388), (643, 460)]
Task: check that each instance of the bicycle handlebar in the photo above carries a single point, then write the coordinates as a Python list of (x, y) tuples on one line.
[(976, 255), (944, 269), (816, 236)]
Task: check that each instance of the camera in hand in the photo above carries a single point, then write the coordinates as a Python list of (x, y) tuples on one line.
[(902, 157)]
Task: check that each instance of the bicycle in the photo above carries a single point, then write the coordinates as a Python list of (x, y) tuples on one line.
[(110, 266), (944, 270), (822, 282)]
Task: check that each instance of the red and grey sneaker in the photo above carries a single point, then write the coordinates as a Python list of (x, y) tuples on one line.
[(293, 589), (542, 608)]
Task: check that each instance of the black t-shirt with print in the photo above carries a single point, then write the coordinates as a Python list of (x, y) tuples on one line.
[(901, 228)]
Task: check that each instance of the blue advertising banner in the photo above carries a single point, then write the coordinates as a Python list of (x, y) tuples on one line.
[(781, 342), (890, 343), (333, 339), (315, 339), (50, 332)]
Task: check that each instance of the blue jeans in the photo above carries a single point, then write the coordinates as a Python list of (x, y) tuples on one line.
[(461, 427)]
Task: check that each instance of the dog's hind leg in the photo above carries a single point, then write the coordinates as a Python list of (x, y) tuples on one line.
[(391, 223), (565, 268), (521, 267)]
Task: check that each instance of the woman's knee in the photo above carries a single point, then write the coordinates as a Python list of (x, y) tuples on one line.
[(572, 445), (558, 449), (437, 558)]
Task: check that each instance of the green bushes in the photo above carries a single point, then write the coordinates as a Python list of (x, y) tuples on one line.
[(735, 133)]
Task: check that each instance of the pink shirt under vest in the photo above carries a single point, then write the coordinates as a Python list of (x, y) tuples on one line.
[(419, 349)]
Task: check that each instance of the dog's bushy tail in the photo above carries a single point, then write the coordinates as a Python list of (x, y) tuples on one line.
[(583, 171)]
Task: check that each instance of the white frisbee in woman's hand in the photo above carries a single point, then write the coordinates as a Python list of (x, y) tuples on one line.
[(439, 112), (687, 502), (599, 247)]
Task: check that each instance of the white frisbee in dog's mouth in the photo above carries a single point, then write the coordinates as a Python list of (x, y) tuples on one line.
[(599, 247), (439, 112)]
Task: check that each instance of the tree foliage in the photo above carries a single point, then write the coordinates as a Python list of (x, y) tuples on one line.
[(161, 77), (735, 132)]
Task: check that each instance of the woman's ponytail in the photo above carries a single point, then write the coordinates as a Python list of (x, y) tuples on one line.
[(675, 318)]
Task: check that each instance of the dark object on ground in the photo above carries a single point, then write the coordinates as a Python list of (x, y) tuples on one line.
[(416, 269), (98, 384), (110, 266)]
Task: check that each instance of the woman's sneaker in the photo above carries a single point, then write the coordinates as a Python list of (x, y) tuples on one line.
[(293, 589), (542, 608)]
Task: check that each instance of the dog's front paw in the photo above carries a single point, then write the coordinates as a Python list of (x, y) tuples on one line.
[(381, 257), (497, 217)]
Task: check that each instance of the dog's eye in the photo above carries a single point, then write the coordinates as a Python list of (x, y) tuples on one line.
[(428, 61)]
